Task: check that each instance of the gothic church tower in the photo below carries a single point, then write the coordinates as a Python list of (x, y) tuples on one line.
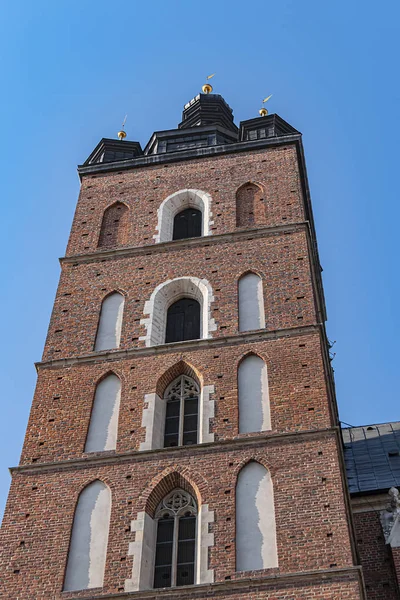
[(184, 440)]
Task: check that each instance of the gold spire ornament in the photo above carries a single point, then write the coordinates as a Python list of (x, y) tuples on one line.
[(207, 87), (263, 111), (122, 134)]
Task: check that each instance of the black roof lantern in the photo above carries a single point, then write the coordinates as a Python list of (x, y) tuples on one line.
[(207, 109)]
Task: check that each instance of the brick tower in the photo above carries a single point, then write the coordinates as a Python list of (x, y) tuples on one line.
[(183, 440)]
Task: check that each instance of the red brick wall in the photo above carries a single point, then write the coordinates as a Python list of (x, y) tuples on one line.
[(143, 189), (281, 259), (376, 558), (63, 399), (312, 532), (312, 527)]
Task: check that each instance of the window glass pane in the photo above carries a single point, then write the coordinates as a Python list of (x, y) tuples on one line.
[(191, 406), (163, 560), (190, 423), (186, 550), (189, 438)]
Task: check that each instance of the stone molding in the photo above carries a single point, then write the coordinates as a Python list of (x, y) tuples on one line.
[(167, 453), (247, 585), (207, 240), (232, 340)]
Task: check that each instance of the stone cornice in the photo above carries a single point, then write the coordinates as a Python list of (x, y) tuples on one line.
[(190, 345), (196, 153), (107, 458), (209, 240), (243, 586)]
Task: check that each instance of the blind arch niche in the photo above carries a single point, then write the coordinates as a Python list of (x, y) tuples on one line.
[(89, 538), (103, 427), (108, 334), (251, 302), (254, 407), (256, 546)]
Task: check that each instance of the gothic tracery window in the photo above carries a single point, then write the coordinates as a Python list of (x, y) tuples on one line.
[(176, 540), (181, 420)]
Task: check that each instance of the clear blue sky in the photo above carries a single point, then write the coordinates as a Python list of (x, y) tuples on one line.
[(71, 70)]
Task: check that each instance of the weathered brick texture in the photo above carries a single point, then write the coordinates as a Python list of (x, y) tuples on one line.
[(302, 452)]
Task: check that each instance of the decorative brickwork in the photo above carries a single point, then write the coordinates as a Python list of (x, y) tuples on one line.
[(121, 242)]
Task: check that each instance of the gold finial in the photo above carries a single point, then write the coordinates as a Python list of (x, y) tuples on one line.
[(122, 134), (263, 111), (207, 87)]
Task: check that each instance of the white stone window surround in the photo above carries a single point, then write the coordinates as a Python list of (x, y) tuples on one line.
[(175, 203), (153, 419), (143, 550), (167, 293)]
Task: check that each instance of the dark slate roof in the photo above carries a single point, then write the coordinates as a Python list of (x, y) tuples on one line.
[(372, 457)]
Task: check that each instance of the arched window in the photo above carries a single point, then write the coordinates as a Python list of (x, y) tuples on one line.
[(254, 409), (183, 321), (250, 208), (256, 546), (110, 323), (89, 538), (182, 410), (187, 224), (103, 427), (184, 214), (251, 302), (176, 540), (114, 227), (165, 295)]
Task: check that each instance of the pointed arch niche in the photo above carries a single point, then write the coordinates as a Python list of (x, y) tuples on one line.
[(108, 334), (103, 426), (145, 527), (256, 546), (114, 227), (254, 406), (155, 414), (168, 293), (251, 302), (250, 205), (89, 538), (176, 203)]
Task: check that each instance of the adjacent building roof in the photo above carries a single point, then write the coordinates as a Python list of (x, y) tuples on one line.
[(372, 457)]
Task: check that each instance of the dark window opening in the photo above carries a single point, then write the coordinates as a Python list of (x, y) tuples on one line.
[(183, 321), (187, 224), (176, 540), (181, 419)]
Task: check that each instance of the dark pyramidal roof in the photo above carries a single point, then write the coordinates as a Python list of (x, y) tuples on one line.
[(372, 457)]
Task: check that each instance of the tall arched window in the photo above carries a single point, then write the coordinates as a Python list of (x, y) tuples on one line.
[(183, 321), (187, 224), (103, 427), (110, 323), (251, 302), (250, 207), (254, 409), (256, 546), (182, 410), (114, 227), (89, 538), (176, 540)]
